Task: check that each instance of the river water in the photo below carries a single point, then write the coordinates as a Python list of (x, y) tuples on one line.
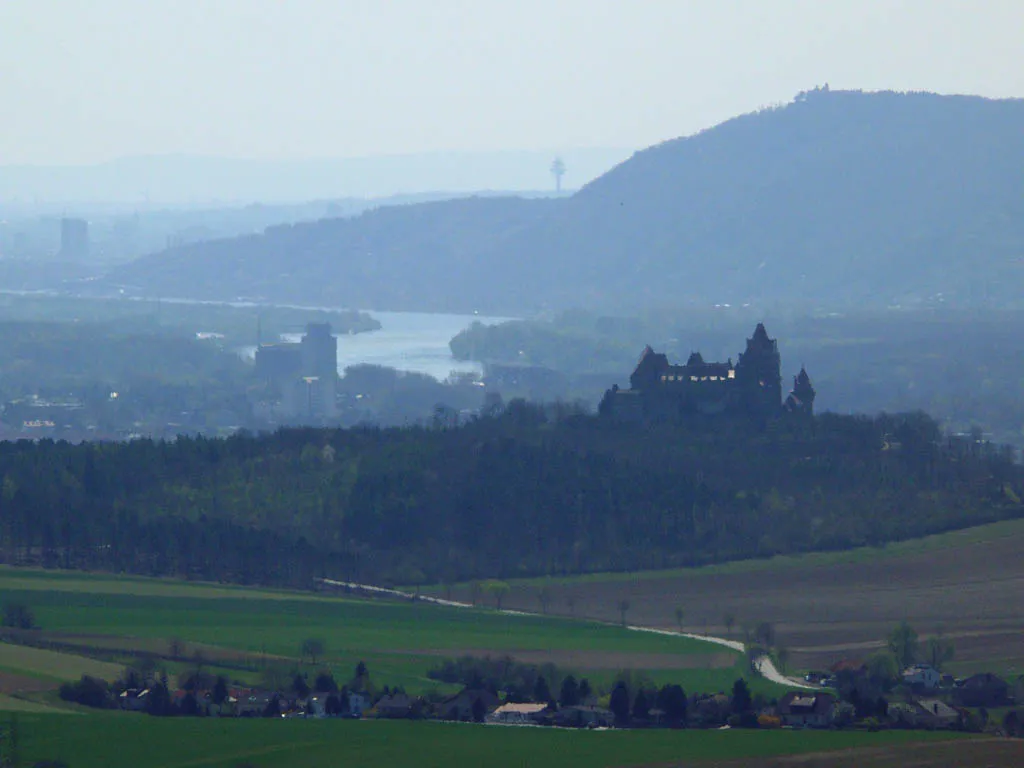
[(408, 341)]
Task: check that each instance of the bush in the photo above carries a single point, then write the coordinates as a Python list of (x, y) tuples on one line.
[(18, 616), (89, 692)]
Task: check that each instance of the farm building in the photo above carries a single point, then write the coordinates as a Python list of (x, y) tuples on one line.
[(802, 708), (518, 714), (468, 704), (982, 690), (922, 676)]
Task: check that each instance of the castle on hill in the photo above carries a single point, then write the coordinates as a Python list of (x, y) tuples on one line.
[(752, 388)]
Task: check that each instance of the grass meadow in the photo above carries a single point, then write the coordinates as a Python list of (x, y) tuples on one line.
[(399, 641), (101, 740)]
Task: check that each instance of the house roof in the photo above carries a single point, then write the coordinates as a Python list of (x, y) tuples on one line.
[(522, 709), (802, 703), (918, 669), (983, 679), (936, 708)]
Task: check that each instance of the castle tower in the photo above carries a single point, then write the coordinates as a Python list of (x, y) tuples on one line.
[(801, 399), (758, 373), (649, 369)]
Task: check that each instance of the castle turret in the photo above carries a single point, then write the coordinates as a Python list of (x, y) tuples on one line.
[(801, 399), (759, 374), (649, 369)]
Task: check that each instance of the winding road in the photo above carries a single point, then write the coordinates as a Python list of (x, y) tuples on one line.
[(763, 664)]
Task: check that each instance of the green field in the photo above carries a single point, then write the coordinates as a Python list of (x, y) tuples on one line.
[(399, 641), (143, 742)]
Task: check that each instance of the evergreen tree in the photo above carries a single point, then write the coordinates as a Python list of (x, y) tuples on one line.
[(584, 690), (541, 692), (220, 690), (570, 694), (741, 699), (641, 709), (619, 704)]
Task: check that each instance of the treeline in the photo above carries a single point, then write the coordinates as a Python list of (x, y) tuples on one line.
[(526, 491)]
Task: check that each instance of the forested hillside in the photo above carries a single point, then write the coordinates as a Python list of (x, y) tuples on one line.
[(527, 491), (837, 199), (424, 256)]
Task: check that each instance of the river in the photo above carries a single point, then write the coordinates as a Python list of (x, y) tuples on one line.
[(408, 341)]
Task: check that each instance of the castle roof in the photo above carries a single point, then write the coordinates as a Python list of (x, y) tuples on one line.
[(695, 359)]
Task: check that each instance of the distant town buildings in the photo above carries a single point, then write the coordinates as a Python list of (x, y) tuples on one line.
[(304, 374), (74, 239)]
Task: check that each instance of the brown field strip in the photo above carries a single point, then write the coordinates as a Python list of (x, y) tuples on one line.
[(586, 659), (974, 592), (961, 753)]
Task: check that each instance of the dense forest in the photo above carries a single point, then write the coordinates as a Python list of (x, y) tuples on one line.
[(838, 199), (523, 490)]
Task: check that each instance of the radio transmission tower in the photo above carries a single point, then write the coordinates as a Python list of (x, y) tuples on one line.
[(558, 171)]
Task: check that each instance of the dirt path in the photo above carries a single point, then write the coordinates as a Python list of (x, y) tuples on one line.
[(763, 664)]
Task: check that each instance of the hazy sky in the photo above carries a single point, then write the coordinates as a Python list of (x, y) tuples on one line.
[(83, 81)]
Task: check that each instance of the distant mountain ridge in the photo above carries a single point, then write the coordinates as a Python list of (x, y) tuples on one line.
[(840, 198), (197, 180)]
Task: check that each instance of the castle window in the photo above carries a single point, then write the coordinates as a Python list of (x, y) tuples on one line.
[(693, 378), (732, 374), (664, 378), (714, 378)]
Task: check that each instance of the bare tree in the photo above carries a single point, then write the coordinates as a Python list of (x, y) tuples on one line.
[(782, 654), (176, 648), (312, 647), (729, 620), (623, 608), (558, 171), (544, 598), (679, 618), (497, 590), (570, 602), (939, 649), (765, 634)]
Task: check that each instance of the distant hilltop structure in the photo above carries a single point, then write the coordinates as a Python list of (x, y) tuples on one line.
[(752, 388), (304, 373)]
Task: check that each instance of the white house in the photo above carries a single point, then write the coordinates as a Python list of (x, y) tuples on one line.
[(517, 714), (357, 703), (922, 676)]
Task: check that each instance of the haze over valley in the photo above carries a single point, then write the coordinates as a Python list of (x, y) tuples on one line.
[(646, 373)]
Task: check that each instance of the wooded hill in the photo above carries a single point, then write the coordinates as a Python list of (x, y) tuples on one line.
[(836, 199), (525, 492)]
